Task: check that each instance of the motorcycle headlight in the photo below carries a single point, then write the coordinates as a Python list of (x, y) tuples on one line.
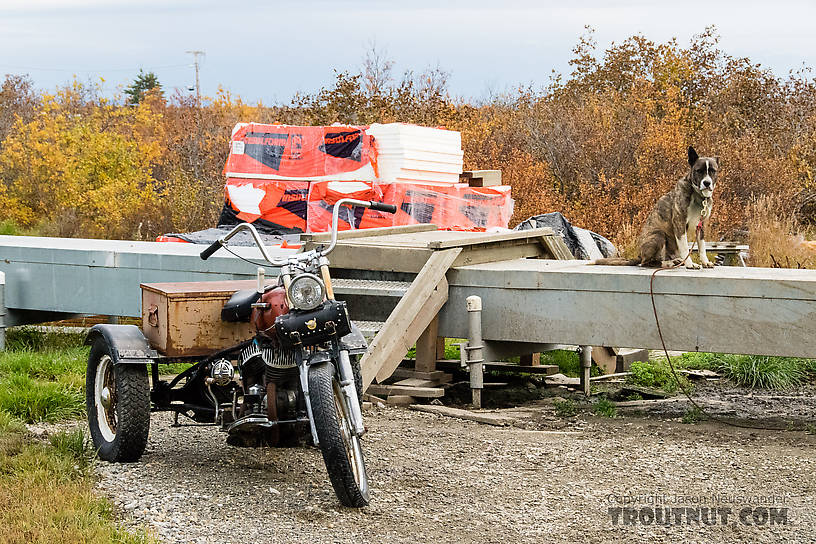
[(306, 292)]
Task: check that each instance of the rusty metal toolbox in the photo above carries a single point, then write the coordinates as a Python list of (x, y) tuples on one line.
[(184, 319)]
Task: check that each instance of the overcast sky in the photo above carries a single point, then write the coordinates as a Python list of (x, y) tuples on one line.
[(269, 50)]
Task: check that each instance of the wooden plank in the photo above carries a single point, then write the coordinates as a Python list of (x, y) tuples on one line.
[(605, 358), (374, 257), (416, 382), (318, 237), (499, 253), (481, 178), (487, 418), (555, 244), (547, 370), (411, 316), (440, 345), (400, 400), (426, 347), (469, 239), (402, 341), (387, 390), (436, 376)]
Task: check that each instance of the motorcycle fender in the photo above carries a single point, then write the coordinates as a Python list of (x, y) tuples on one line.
[(128, 344), (319, 357), (354, 341)]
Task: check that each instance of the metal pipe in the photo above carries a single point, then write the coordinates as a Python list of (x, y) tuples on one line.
[(2, 311), (586, 365), (261, 246), (474, 348), (336, 215)]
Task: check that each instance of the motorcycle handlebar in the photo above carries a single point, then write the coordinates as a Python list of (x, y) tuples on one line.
[(207, 253), (383, 207), (215, 246)]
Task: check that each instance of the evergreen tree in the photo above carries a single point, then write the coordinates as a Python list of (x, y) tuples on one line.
[(144, 82)]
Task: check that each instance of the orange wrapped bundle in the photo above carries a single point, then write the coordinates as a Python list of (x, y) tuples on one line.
[(276, 206), (287, 152), (324, 194), (454, 207), (479, 208)]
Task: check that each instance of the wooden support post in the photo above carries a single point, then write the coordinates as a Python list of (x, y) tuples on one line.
[(532, 359), (426, 347), (440, 347)]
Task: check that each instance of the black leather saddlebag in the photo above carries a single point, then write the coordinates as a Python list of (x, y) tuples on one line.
[(307, 328)]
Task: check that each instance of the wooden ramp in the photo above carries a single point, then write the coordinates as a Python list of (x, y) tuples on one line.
[(429, 253)]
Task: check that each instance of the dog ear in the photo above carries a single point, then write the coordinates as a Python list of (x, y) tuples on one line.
[(719, 162), (692, 156)]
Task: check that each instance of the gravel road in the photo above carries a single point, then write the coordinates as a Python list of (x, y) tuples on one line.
[(437, 479)]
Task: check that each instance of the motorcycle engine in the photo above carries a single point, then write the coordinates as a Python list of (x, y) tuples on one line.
[(271, 387)]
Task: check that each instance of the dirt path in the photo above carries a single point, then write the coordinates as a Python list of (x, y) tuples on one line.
[(436, 479)]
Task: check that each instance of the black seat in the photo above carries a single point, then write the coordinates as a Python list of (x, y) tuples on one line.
[(239, 306)]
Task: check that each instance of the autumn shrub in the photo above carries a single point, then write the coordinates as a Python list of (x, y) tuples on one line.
[(774, 238), (599, 144)]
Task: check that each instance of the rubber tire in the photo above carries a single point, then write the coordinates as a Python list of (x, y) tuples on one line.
[(132, 407), (341, 474)]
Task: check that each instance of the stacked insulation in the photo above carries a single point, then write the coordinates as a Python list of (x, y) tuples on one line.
[(286, 178)]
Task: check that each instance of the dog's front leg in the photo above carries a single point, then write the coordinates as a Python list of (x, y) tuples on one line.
[(685, 253), (701, 249)]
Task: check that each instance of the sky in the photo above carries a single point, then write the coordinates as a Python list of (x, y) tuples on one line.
[(267, 51)]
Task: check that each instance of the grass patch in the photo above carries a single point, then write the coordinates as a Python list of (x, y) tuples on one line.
[(692, 415), (34, 338), (565, 408), (46, 489), (754, 371), (763, 372), (605, 408), (568, 362), (36, 400)]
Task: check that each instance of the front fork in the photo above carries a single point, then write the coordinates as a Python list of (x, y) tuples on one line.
[(347, 387)]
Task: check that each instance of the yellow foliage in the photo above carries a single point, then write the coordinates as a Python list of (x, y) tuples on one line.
[(600, 145), (85, 174)]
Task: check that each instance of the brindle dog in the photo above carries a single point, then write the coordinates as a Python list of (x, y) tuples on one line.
[(664, 238)]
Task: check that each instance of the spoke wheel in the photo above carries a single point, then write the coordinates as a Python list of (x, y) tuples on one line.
[(118, 405), (342, 450)]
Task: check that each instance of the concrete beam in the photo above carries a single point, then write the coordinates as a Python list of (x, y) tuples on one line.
[(758, 311)]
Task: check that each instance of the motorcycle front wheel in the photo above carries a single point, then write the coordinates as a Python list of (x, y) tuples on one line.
[(342, 451)]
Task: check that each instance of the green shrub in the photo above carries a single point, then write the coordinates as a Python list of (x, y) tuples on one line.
[(605, 408), (565, 408), (655, 373), (692, 415)]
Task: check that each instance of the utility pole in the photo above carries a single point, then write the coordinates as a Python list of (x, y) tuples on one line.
[(196, 55), (196, 167)]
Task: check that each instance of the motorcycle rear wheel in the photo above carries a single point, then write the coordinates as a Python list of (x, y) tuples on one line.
[(342, 451)]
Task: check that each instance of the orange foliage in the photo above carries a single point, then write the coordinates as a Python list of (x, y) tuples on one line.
[(600, 145)]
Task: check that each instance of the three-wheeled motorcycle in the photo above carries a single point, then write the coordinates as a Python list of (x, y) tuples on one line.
[(294, 379)]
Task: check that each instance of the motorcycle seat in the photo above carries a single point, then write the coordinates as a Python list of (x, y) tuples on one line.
[(239, 306)]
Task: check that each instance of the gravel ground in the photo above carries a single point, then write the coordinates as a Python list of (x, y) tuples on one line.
[(445, 480)]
